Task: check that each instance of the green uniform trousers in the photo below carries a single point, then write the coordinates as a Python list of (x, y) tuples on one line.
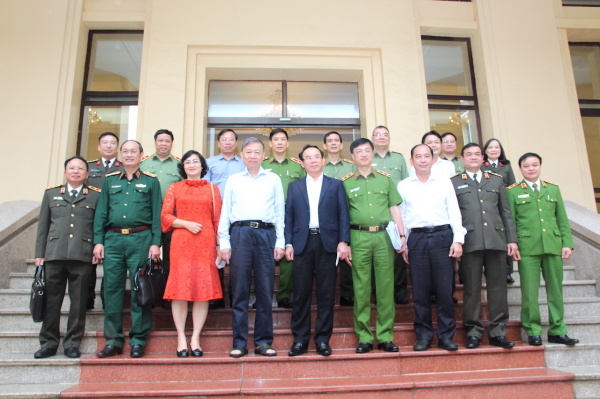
[(122, 253), (286, 285), (373, 249), (552, 270)]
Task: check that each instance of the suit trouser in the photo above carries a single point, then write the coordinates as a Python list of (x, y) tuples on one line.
[(373, 250), (252, 249), (430, 266), (509, 265), (286, 284), (552, 270), (314, 263), (471, 269), (346, 284), (122, 253), (57, 273)]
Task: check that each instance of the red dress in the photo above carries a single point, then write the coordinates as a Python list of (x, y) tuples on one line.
[(194, 275)]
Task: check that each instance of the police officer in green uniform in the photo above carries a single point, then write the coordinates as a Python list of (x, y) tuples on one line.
[(108, 147), (164, 165), (448, 150), (64, 246), (288, 169), (373, 201), (337, 168), (544, 241), (127, 232)]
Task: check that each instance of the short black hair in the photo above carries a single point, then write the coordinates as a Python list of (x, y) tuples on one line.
[(222, 132), (380, 127), (87, 168), (180, 166), (359, 142), (527, 155), (501, 158), (448, 134), (135, 141), (412, 150), (329, 134), (278, 130), (469, 145), (431, 133), (164, 131), (108, 134), (307, 147)]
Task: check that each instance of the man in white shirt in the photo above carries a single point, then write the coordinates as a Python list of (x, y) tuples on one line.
[(440, 166), (253, 204), (435, 235)]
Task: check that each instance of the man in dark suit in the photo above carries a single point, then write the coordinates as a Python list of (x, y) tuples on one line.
[(317, 228)]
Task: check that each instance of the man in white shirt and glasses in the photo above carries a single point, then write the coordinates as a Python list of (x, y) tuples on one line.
[(253, 203), (440, 166), (433, 223)]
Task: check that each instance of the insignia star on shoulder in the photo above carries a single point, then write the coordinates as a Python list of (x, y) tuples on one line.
[(149, 174), (493, 173), (398, 152), (95, 189), (58, 185), (383, 173), (113, 173), (347, 176), (143, 159), (454, 175), (549, 182), (512, 186), (295, 160), (349, 161)]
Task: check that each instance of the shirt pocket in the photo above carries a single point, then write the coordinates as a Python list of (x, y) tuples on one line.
[(141, 194), (356, 197), (524, 233), (87, 211), (550, 203), (87, 245), (557, 233), (113, 194), (58, 208), (523, 201)]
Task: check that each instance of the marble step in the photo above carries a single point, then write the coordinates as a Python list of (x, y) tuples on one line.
[(582, 354), (33, 391), (586, 384), (571, 289), (19, 298), (568, 274), (19, 319), (585, 329), (24, 369), (27, 342), (574, 307)]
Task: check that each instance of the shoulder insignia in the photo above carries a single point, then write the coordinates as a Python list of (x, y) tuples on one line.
[(62, 190), (149, 174), (383, 173), (118, 172), (295, 160), (523, 185), (117, 163), (177, 158), (454, 175), (487, 163), (58, 185), (146, 157), (549, 182), (487, 176), (265, 158), (349, 161), (347, 176), (85, 191), (493, 173), (500, 163), (512, 186), (464, 176), (397, 152), (95, 189), (94, 160)]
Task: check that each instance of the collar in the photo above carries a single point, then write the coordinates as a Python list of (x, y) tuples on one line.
[(168, 158), (357, 175), (102, 161), (69, 188), (530, 184), (136, 175), (310, 179), (479, 174), (261, 171), (453, 158), (387, 153), (327, 161), (235, 158), (286, 159)]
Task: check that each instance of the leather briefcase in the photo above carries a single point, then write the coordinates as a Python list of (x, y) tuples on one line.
[(149, 283), (37, 302)]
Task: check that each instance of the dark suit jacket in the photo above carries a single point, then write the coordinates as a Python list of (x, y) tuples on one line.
[(334, 219)]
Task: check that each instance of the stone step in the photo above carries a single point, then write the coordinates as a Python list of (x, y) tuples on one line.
[(19, 298), (568, 274), (24, 369), (27, 342), (24, 281), (586, 383), (585, 329), (582, 354), (571, 289), (32, 390), (574, 307), (14, 320)]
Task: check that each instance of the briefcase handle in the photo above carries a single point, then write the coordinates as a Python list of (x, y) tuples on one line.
[(39, 273)]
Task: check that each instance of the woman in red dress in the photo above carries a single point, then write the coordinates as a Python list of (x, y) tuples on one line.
[(192, 209)]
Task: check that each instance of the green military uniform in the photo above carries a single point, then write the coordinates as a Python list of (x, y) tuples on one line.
[(369, 200), (458, 165), (543, 231), (288, 170), (65, 241), (488, 219), (338, 170), (97, 171), (126, 204), (166, 171)]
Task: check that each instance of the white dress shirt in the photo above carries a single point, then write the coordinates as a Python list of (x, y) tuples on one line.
[(429, 204), (69, 189), (313, 187), (248, 198), (110, 163), (538, 182), (442, 168), (479, 175)]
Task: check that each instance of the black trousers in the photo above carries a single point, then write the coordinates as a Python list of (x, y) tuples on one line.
[(430, 266), (166, 242), (313, 263), (346, 282)]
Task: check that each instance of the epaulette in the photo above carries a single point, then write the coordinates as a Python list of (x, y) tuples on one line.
[(265, 158), (149, 174), (383, 173), (94, 160), (146, 157), (455, 175), (347, 176), (347, 160), (397, 152), (511, 186), (58, 185), (295, 160), (549, 182), (118, 172), (95, 189), (177, 158), (493, 173)]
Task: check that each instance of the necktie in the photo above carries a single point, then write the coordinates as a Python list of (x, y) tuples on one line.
[(73, 194), (535, 189), (493, 164), (475, 178), (107, 164)]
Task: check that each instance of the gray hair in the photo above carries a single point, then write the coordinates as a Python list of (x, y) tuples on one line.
[(251, 140), (135, 141)]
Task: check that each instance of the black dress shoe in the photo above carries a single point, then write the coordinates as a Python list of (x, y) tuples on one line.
[(297, 349), (421, 345), (346, 301), (501, 341), (364, 347), (89, 306), (72, 352), (388, 346), (218, 304), (323, 349), (110, 350), (454, 300), (285, 303), (44, 352), (534, 340), (137, 350), (197, 352), (472, 342), (562, 339), (510, 279), (447, 344), (402, 301), (183, 353)]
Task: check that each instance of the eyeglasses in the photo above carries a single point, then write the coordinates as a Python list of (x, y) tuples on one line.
[(316, 157), (381, 135), (73, 169), (191, 162), (448, 141), (227, 139)]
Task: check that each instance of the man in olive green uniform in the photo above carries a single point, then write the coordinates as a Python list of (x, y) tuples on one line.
[(490, 234), (373, 202), (127, 232), (392, 162), (448, 150), (337, 168), (64, 246), (544, 241), (289, 170), (108, 147)]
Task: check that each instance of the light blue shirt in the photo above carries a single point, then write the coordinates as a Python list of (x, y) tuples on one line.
[(248, 198), (219, 170)]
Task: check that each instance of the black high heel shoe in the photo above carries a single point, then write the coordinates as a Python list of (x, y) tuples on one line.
[(196, 352), (183, 353)]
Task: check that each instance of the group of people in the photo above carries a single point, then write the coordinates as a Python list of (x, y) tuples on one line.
[(310, 215)]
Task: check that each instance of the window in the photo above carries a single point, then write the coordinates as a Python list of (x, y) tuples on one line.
[(111, 88), (581, 3), (451, 92)]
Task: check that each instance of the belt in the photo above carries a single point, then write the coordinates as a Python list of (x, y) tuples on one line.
[(129, 231), (255, 224), (430, 229), (369, 228), (315, 231)]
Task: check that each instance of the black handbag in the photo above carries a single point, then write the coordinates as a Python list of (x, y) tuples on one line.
[(149, 283), (37, 302)]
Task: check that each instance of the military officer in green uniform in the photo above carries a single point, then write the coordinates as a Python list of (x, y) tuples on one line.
[(288, 169), (448, 150), (337, 168), (490, 236), (127, 232), (373, 202), (64, 246), (544, 241)]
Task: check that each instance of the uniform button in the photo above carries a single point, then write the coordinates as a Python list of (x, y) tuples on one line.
[(479, 190), (280, 175), (485, 224), (57, 204), (542, 220), (160, 171), (158, 179), (128, 182), (125, 204), (126, 193), (544, 230), (87, 207), (71, 224), (73, 205), (356, 195), (480, 200), (370, 204), (368, 192), (72, 215), (371, 217), (484, 212), (381, 192), (89, 240), (70, 235), (124, 217), (522, 234), (539, 200), (501, 229), (540, 210), (523, 201)]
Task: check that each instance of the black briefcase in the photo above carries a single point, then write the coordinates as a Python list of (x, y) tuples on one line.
[(149, 283), (37, 302)]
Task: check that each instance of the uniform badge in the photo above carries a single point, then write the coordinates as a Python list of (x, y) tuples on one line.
[(95, 170), (85, 191), (58, 198), (115, 186), (486, 175), (464, 176), (465, 186), (137, 175), (140, 185), (544, 183), (373, 164), (523, 185), (62, 190), (524, 196), (355, 189), (116, 163)]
